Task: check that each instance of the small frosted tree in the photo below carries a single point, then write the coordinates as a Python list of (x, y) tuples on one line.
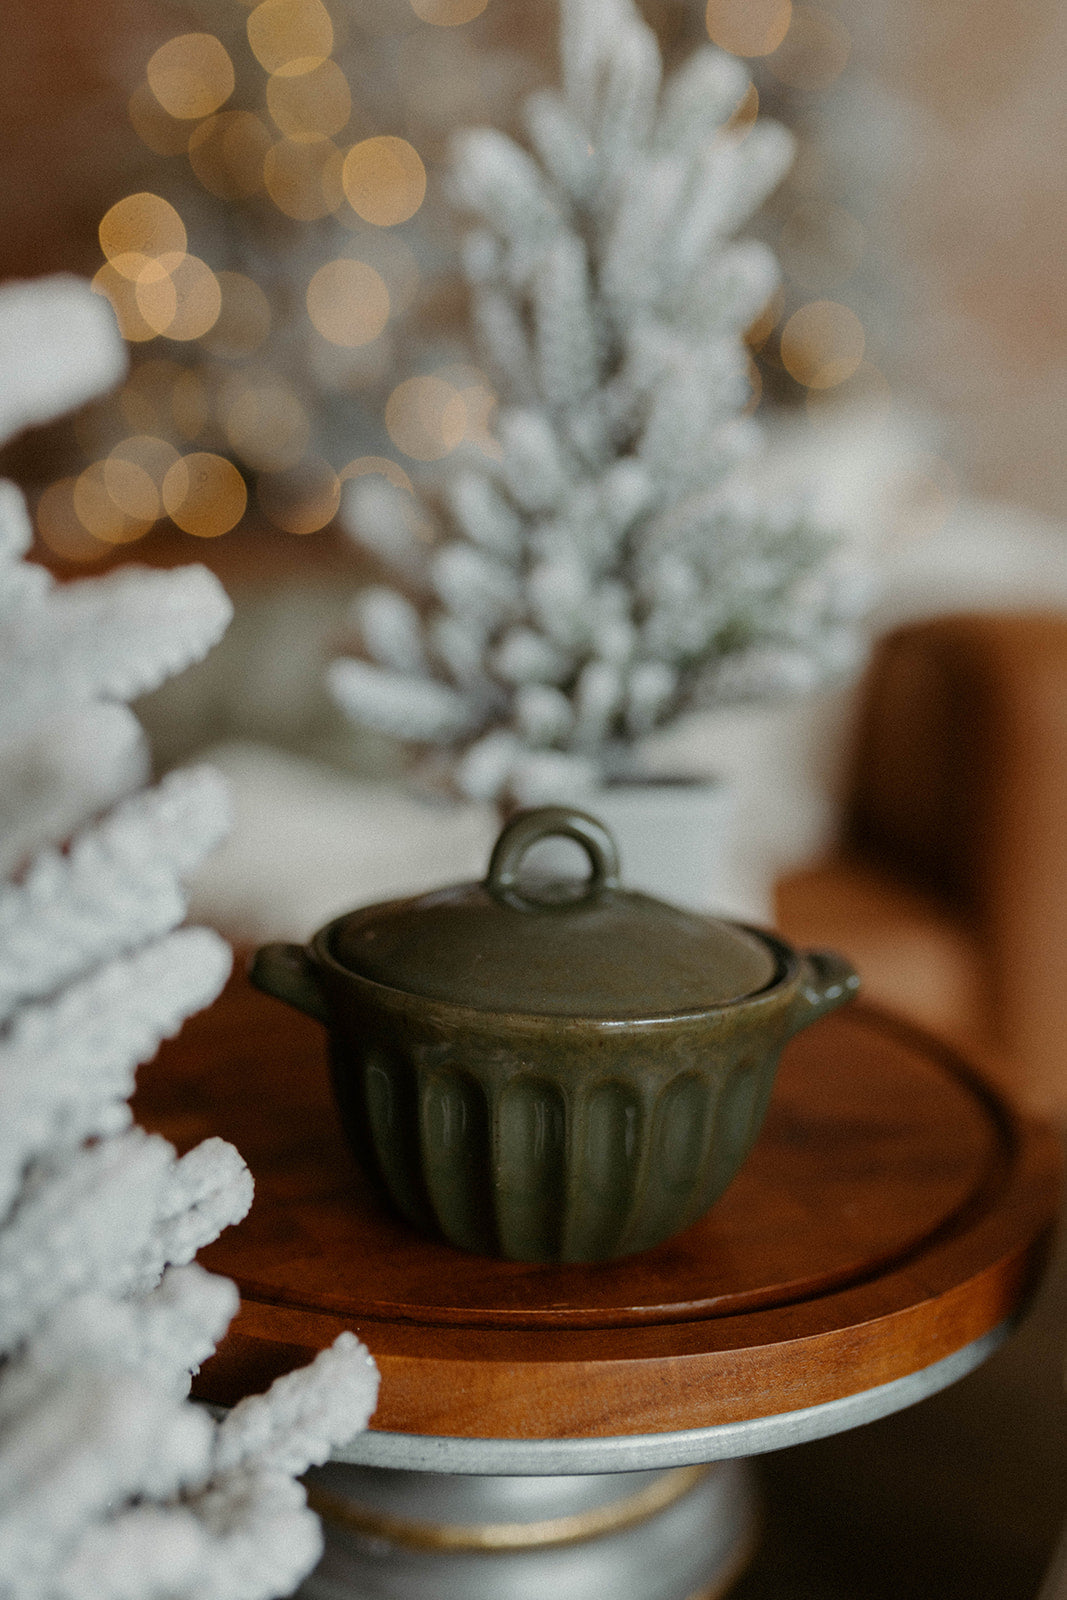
[(113, 1486), (617, 566)]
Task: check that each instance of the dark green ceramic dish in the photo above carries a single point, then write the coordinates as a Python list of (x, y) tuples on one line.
[(552, 1073)]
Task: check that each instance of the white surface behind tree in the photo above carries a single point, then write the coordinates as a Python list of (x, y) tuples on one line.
[(113, 1485), (615, 568)]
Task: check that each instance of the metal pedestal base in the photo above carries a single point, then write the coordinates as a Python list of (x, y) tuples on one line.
[(683, 1534)]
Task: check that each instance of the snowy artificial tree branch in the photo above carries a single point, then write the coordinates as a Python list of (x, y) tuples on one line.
[(113, 1486), (614, 569)]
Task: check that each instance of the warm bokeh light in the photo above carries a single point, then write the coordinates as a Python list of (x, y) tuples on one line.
[(142, 224), (121, 291), (98, 512), (265, 423), (60, 527), (822, 344), (192, 75), (448, 13), (384, 466), (748, 27), (821, 245), (290, 36), (186, 303), (304, 179), (244, 317), (814, 52), (384, 180), (152, 457), (479, 403), (348, 302), (165, 135), (314, 105), (426, 418), (131, 488), (227, 153), (302, 500), (204, 494)]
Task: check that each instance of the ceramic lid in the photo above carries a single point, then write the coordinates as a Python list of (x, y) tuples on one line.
[(588, 948)]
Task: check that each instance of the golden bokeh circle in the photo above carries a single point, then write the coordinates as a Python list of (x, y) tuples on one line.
[(348, 302), (192, 75), (314, 105), (290, 35), (302, 500), (426, 418), (227, 152), (814, 52), (60, 527), (748, 27), (204, 494), (822, 344), (151, 455), (199, 299), (121, 291), (131, 488), (98, 512), (448, 13), (141, 224), (304, 179), (384, 180)]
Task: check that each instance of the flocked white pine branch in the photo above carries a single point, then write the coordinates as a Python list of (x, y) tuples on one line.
[(610, 571), (113, 1486)]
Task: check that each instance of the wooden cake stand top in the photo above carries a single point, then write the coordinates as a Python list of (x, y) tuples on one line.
[(894, 1212)]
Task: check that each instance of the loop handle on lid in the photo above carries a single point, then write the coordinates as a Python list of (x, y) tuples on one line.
[(528, 828)]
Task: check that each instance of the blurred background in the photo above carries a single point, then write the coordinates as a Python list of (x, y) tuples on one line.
[(257, 190)]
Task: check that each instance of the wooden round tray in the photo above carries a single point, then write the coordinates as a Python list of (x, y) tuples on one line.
[(893, 1212)]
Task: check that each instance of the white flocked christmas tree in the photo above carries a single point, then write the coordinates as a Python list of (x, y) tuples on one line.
[(618, 566), (113, 1484)]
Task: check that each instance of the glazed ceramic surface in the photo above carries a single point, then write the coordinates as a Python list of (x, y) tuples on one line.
[(554, 1071)]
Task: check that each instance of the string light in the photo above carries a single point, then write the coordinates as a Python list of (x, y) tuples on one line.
[(426, 418), (313, 105), (191, 76), (290, 36), (822, 344), (227, 153), (60, 527), (384, 180), (748, 27), (204, 494), (100, 514), (141, 225), (348, 302), (304, 179)]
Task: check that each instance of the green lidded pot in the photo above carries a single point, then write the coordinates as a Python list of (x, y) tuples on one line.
[(552, 1071)]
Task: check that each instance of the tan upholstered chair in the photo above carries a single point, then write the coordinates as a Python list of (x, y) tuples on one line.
[(949, 885)]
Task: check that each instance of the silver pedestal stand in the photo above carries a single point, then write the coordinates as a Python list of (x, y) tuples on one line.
[(669, 1516)]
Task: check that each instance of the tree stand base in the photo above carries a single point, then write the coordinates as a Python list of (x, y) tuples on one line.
[(684, 1534)]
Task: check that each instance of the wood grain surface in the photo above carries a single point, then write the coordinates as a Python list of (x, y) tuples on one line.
[(893, 1210)]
